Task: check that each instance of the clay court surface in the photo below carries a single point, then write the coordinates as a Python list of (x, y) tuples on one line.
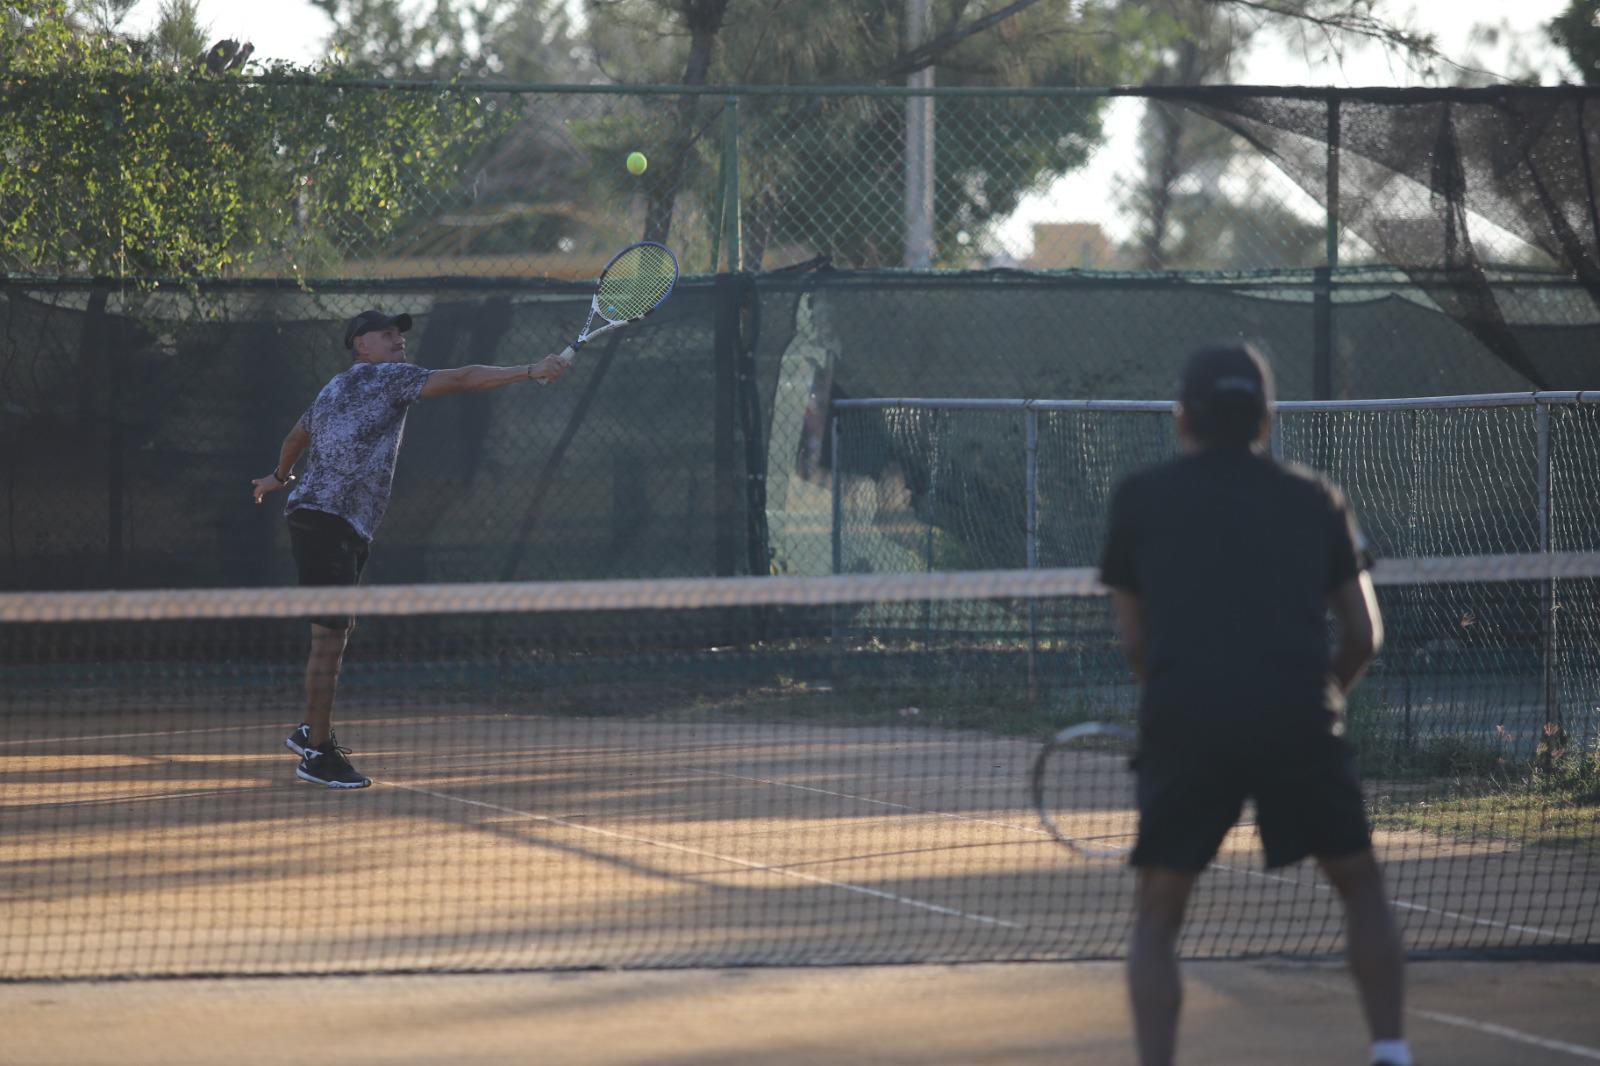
[(1462, 1014), (634, 871)]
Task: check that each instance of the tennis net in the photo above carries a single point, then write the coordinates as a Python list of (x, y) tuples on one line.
[(732, 772)]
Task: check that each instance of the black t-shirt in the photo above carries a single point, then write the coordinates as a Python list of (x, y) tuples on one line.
[(1232, 555)]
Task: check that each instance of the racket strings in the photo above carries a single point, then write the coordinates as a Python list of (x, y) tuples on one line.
[(636, 282)]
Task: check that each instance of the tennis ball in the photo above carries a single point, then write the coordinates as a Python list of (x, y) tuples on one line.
[(636, 163)]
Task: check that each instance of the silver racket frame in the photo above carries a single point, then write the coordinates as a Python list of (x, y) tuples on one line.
[(1036, 780)]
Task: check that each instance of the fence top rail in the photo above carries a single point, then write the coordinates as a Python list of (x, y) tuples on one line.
[(1488, 399)]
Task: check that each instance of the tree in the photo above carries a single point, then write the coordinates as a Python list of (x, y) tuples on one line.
[(830, 170), (179, 37), (125, 162), (518, 40), (525, 186), (1576, 32)]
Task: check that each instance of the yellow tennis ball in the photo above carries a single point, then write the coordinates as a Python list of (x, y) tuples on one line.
[(636, 163)]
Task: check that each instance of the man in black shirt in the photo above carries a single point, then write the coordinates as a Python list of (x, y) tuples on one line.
[(1223, 565)]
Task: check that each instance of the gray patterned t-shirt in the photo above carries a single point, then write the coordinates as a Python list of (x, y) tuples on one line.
[(356, 423)]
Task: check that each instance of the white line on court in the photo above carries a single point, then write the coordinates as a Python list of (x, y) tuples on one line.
[(1317, 885), (844, 886), (1576, 1050), (868, 799), (118, 801)]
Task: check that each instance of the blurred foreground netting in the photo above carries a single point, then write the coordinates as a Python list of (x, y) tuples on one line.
[(752, 771)]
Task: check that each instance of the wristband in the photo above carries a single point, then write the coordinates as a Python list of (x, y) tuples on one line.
[(281, 479)]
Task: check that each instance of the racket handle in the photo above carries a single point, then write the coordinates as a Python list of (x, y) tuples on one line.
[(566, 360)]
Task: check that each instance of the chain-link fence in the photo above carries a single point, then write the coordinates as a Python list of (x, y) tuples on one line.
[(363, 179), (996, 484), (980, 485), (1077, 244)]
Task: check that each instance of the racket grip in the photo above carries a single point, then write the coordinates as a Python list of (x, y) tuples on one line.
[(566, 360)]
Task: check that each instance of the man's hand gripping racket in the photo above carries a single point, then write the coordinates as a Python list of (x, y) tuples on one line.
[(1084, 790), (636, 282)]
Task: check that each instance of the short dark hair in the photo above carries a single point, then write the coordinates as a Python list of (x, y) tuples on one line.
[(1226, 391)]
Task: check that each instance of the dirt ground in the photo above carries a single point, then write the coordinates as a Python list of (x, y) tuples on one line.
[(1464, 1014)]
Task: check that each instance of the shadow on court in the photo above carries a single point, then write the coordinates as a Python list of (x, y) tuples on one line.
[(181, 844), (1465, 1014)]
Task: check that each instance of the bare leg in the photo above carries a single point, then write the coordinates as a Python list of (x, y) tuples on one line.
[(1153, 982), (322, 679), (1377, 960)]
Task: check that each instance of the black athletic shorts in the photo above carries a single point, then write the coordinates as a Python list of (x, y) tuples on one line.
[(327, 551), (1307, 797)]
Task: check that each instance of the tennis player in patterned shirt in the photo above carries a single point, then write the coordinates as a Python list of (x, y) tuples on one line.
[(351, 436), (1223, 566)]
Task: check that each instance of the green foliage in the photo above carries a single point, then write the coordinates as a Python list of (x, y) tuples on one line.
[(120, 164), (1574, 32), (179, 36), (519, 40)]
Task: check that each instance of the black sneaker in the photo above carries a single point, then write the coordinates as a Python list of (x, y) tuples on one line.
[(299, 741), (327, 765)]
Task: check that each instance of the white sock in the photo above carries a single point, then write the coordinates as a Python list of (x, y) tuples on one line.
[(1397, 1052)]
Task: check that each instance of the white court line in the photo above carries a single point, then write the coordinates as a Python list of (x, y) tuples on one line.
[(702, 853), (868, 799), (118, 801), (1576, 1050), (1318, 885)]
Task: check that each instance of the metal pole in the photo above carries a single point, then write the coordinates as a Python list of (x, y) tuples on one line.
[(835, 625), (1547, 597), (1031, 542), (1331, 234), (730, 179), (1323, 342), (837, 536), (919, 145)]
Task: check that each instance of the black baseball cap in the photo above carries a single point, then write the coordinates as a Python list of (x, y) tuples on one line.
[(1233, 373), (367, 321)]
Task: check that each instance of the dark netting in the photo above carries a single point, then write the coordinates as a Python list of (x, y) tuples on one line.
[(671, 449), (1450, 185), (738, 772), (144, 416)]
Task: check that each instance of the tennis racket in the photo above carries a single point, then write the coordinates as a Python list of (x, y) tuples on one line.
[(636, 281), (1084, 789)]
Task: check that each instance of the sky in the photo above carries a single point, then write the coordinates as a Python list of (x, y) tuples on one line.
[(294, 30)]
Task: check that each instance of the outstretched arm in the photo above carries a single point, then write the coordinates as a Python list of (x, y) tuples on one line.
[(485, 378), (294, 446)]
